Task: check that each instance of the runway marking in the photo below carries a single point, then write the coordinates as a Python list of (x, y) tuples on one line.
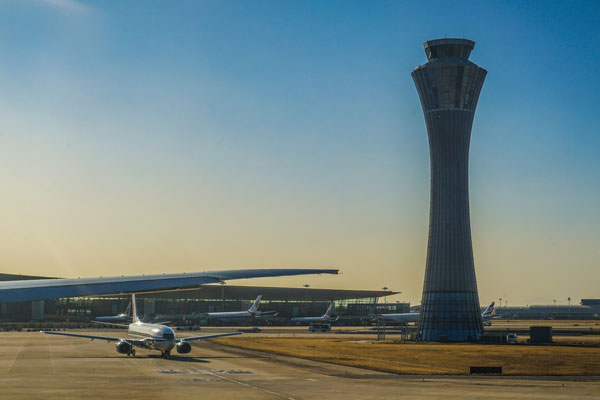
[(16, 357), (283, 396), (28, 348), (204, 371), (51, 356)]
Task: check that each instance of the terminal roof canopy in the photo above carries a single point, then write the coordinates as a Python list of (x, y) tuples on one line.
[(41, 289)]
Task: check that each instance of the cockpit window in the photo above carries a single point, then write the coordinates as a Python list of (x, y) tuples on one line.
[(169, 336)]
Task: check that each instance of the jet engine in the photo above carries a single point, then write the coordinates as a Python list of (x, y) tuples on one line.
[(124, 347), (184, 347)]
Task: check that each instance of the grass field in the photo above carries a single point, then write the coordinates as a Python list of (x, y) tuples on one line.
[(444, 359)]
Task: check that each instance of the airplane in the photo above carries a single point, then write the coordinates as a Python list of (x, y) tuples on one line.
[(323, 318), (152, 336), (400, 317), (252, 312), (414, 316), (44, 289), (125, 316)]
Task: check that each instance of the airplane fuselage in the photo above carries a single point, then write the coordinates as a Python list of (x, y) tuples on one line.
[(230, 314), (156, 337), (240, 314), (402, 317), (309, 320)]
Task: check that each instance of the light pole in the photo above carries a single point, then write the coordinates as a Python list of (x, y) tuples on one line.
[(306, 286), (554, 302), (569, 299), (500, 302), (385, 297)]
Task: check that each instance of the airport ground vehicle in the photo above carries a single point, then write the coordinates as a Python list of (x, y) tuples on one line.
[(511, 338), (319, 327)]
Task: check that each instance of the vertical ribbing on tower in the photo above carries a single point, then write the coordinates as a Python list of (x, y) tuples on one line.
[(449, 86)]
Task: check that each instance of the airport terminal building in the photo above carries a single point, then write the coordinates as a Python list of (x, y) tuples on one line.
[(186, 306), (588, 309)]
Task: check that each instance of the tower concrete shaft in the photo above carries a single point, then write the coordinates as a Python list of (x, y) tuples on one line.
[(449, 86)]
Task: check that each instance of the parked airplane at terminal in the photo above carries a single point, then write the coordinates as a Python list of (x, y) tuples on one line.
[(252, 312), (400, 317), (323, 318), (43, 289), (124, 317), (152, 337), (486, 316)]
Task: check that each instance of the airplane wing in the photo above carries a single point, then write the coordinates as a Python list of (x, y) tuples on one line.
[(135, 342), (42, 289), (216, 335)]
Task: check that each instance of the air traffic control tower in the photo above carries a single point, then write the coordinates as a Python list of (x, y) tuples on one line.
[(449, 86)]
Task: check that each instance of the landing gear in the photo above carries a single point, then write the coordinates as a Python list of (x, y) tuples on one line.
[(166, 354), (131, 353)]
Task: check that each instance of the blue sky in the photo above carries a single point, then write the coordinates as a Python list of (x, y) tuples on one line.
[(158, 136)]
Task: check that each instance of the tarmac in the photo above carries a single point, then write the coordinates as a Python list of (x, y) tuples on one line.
[(38, 366)]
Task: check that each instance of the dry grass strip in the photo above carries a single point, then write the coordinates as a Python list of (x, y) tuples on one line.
[(444, 359)]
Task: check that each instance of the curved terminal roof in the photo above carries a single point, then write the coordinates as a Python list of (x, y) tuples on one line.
[(41, 289), (250, 292)]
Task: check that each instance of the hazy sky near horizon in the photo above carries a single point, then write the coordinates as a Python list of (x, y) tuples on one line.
[(152, 136)]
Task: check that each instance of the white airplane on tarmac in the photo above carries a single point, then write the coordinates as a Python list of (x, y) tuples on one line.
[(251, 313), (151, 336), (125, 316), (486, 316), (323, 318)]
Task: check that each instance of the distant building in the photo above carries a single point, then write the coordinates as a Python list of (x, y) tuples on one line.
[(574, 312)]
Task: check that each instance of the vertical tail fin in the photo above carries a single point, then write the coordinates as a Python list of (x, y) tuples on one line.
[(254, 307), (489, 312), (127, 311), (328, 312), (134, 315)]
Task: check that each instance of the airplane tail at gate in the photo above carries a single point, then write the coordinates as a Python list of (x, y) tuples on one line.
[(328, 312), (489, 312), (134, 315), (127, 311), (254, 307)]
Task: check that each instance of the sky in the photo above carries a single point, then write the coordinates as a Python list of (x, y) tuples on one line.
[(153, 136)]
